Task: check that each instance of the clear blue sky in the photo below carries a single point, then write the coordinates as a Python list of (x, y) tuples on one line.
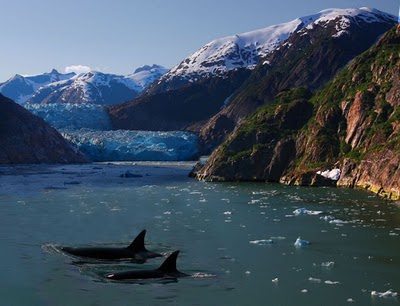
[(117, 36)]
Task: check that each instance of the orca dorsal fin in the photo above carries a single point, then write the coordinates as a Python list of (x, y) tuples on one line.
[(137, 244), (169, 265)]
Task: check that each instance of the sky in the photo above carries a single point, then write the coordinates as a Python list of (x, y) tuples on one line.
[(118, 36)]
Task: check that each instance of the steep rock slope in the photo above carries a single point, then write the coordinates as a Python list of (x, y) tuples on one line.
[(310, 57), (98, 88), (21, 88), (25, 138), (352, 124), (184, 108), (224, 59)]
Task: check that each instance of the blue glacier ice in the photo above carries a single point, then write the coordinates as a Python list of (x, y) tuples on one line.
[(122, 145), (88, 127), (72, 116)]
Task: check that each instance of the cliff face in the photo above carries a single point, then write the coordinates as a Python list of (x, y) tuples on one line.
[(185, 108), (25, 138), (310, 57), (353, 123)]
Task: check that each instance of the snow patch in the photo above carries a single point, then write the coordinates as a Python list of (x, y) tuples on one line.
[(333, 174)]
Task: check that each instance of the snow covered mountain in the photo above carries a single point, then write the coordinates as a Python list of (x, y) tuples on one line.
[(306, 52), (246, 50), (20, 88), (98, 88)]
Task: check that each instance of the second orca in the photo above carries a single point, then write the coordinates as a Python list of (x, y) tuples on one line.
[(166, 271)]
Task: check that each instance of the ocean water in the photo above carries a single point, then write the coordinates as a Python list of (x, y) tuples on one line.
[(236, 239)]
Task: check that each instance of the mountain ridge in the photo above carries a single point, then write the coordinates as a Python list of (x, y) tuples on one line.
[(214, 129), (352, 125), (20, 88)]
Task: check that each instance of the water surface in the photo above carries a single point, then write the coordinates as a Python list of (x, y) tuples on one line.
[(237, 240)]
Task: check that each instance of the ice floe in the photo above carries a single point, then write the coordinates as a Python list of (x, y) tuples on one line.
[(329, 282), (262, 242), (300, 242), (304, 211), (314, 280), (388, 294), (328, 264)]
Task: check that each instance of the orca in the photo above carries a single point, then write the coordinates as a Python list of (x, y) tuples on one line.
[(167, 271), (135, 251)]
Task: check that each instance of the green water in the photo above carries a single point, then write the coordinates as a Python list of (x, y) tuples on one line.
[(222, 231)]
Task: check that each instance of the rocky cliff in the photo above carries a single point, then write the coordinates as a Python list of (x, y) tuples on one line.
[(310, 57), (211, 91), (25, 138), (352, 124), (186, 108)]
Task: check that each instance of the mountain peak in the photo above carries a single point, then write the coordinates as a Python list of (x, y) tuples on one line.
[(54, 71), (247, 49), (148, 68)]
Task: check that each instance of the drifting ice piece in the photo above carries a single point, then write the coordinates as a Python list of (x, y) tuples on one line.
[(386, 294), (303, 211), (300, 242)]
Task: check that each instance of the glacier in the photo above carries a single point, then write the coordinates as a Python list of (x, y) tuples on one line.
[(72, 116), (88, 127), (124, 145)]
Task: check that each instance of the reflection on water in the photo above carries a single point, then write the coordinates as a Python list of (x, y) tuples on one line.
[(236, 240)]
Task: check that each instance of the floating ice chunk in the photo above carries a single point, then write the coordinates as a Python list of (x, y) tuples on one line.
[(304, 291), (338, 221), (262, 241), (314, 280), (275, 280), (300, 242), (326, 218), (387, 294), (333, 174), (328, 282), (227, 213), (328, 264), (315, 212), (304, 211), (350, 300), (300, 211)]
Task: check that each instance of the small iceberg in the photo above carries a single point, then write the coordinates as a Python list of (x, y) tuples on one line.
[(329, 282), (333, 174), (262, 242), (300, 242), (326, 218), (304, 211), (328, 264), (387, 294), (314, 280)]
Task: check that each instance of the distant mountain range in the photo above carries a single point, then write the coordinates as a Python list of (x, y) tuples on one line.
[(91, 87), (21, 88)]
